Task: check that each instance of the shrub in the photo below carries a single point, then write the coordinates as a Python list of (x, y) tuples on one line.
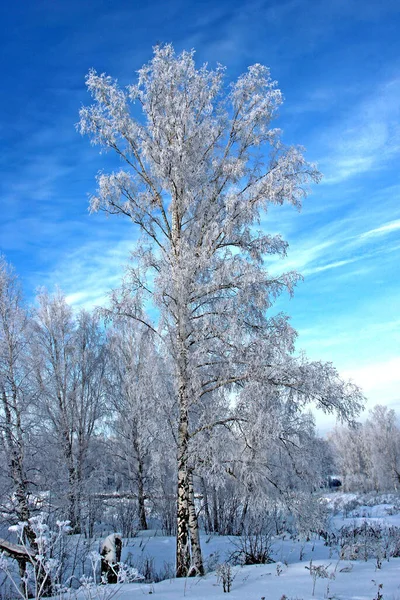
[(253, 547)]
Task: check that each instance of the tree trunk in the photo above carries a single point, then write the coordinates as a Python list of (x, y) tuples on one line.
[(141, 498), (182, 534), (243, 516), (183, 312), (197, 567), (215, 511), (207, 513), (79, 492), (73, 501)]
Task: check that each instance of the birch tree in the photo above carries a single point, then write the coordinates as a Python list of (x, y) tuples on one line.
[(369, 455), (353, 458), (70, 376), (382, 436), (88, 399), (201, 166), (137, 392), (17, 396), (15, 389)]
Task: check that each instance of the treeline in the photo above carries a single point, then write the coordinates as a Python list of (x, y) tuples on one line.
[(367, 456), (88, 428)]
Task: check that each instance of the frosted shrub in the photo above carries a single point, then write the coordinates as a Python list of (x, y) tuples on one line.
[(224, 575), (212, 561), (319, 572), (392, 545), (254, 545), (368, 540), (350, 506), (310, 513), (125, 518), (42, 573), (360, 542), (89, 587), (41, 570)]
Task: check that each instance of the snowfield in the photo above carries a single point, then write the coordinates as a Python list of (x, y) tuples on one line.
[(289, 578), (294, 583), (302, 569)]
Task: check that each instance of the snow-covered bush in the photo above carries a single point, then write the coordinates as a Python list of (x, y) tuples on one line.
[(368, 540), (319, 572), (309, 513), (42, 573), (254, 545), (350, 506), (39, 571), (225, 576), (124, 517)]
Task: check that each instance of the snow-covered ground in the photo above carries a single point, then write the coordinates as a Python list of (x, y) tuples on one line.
[(302, 569), (294, 583), (290, 577)]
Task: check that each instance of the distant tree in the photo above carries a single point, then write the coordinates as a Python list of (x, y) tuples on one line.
[(70, 368), (353, 458), (368, 455), (17, 398), (382, 436), (15, 390), (202, 166), (137, 387)]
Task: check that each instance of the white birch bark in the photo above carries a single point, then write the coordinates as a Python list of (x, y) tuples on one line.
[(197, 567)]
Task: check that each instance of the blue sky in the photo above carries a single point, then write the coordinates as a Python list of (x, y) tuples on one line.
[(338, 66)]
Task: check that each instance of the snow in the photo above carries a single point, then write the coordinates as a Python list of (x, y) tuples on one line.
[(108, 548), (258, 581), (288, 578)]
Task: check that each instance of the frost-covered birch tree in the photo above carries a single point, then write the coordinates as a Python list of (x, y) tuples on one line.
[(137, 385), (382, 437), (14, 390), (352, 457), (368, 456), (69, 368), (200, 167), (17, 395)]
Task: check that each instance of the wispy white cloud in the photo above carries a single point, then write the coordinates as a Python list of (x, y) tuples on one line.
[(319, 243), (367, 137), (382, 230), (326, 267), (343, 338), (87, 274)]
